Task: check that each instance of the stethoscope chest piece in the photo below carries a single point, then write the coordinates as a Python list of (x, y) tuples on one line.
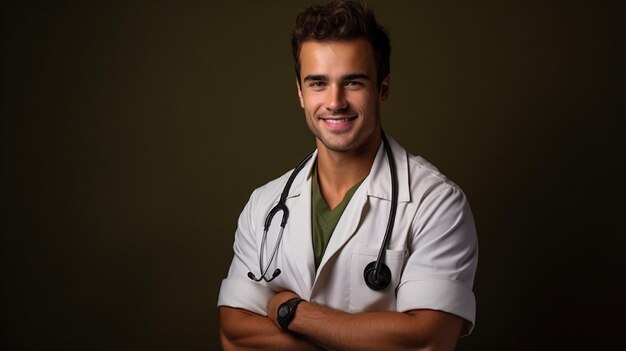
[(377, 279)]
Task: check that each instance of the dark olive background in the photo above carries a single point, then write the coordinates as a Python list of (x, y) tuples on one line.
[(133, 134)]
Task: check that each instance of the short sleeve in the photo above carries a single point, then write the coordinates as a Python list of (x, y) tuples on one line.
[(439, 272), (237, 290)]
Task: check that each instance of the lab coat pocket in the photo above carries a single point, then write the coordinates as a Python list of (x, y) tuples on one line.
[(361, 297)]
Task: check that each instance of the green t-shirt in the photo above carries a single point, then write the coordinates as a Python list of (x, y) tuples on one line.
[(324, 219)]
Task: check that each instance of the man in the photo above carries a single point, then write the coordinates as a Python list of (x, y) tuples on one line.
[(305, 288)]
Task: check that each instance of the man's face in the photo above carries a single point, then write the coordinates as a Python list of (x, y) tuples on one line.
[(339, 95)]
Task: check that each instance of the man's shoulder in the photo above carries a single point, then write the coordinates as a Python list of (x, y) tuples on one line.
[(422, 168), (426, 178), (419, 169)]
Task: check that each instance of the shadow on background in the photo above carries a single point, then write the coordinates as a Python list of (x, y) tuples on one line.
[(132, 136)]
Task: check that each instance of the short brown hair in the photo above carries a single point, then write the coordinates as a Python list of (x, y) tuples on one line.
[(342, 20)]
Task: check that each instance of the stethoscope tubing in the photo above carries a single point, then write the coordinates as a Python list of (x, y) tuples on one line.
[(394, 206), (280, 206), (378, 278)]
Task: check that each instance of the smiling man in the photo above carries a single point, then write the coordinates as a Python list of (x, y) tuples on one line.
[(372, 248)]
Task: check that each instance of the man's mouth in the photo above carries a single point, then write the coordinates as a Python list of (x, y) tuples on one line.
[(338, 120)]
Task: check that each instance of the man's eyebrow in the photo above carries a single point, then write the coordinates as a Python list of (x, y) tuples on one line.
[(323, 78), (315, 77), (356, 76)]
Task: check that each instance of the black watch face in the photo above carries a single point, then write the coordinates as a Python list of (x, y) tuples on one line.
[(283, 311)]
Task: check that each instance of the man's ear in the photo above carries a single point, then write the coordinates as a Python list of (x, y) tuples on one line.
[(384, 89), (299, 93)]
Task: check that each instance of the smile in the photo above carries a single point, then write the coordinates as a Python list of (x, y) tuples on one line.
[(338, 120), (339, 123)]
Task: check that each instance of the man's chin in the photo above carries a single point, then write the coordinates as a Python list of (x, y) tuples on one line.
[(335, 144)]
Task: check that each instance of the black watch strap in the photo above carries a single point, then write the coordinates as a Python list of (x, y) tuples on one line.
[(286, 312)]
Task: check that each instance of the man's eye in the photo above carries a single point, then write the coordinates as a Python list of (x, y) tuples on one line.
[(316, 84), (353, 84)]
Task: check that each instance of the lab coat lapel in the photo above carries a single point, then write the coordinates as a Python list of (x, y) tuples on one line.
[(298, 237)]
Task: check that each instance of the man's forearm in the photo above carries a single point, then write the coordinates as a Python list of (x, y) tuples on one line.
[(337, 330), (244, 330)]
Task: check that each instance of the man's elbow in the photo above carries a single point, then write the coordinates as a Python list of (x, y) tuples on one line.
[(226, 342), (228, 330)]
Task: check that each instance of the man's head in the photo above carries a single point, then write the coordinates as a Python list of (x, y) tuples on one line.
[(342, 20), (342, 67)]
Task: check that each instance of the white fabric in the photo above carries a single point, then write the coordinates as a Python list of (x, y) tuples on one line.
[(432, 253)]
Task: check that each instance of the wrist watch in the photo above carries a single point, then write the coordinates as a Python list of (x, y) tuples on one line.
[(286, 312)]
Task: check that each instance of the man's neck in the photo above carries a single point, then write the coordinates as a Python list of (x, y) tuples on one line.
[(337, 172)]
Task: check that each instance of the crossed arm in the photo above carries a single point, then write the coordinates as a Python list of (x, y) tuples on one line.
[(317, 327)]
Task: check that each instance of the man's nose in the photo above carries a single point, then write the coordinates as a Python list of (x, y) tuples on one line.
[(336, 98)]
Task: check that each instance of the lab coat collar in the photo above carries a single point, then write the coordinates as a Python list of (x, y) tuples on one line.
[(299, 184), (378, 182)]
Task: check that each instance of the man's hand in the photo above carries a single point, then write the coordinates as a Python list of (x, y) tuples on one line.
[(275, 302)]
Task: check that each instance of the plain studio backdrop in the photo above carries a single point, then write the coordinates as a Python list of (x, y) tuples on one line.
[(133, 134)]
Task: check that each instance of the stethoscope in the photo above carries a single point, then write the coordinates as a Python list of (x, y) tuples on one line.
[(376, 274)]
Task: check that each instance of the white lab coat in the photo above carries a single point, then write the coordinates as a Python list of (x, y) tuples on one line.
[(432, 253)]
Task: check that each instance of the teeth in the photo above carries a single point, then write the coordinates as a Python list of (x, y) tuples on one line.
[(337, 120)]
